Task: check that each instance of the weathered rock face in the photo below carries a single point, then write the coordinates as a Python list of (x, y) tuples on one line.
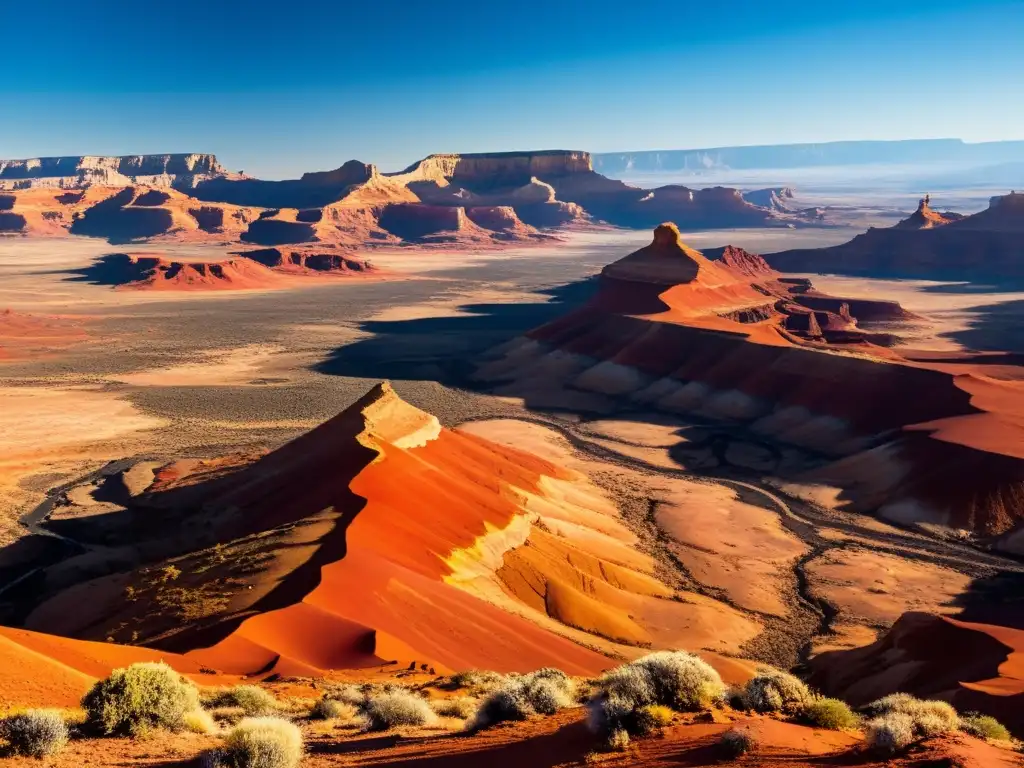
[(83, 170)]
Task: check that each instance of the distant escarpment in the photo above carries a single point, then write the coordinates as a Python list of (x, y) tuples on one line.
[(81, 170), (927, 245), (475, 200), (808, 155), (729, 339)]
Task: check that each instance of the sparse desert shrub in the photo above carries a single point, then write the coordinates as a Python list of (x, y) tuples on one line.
[(890, 732), (476, 680), (332, 709), (984, 727), (199, 721), (253, 700), (773, 690), (549, 695), (929, 717), (543, 692), (652, 718), (462, 707), (828, 713), (738, 741), (507, 703), (348, 693), (734, 697), (137, 698), (618, 740), (675, 679), (35, 732), (259, 742), (389, 710)]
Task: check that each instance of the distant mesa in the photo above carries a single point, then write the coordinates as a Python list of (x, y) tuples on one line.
[(987, 245), (476, 200), (264, 269), (721, 335), (818, 155)]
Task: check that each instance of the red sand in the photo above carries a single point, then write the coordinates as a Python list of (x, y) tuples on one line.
[(23, 336)]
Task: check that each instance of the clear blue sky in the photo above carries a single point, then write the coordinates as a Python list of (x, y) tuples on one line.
[(277, 88)]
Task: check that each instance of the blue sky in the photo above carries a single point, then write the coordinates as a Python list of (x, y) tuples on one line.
[(279, 88)]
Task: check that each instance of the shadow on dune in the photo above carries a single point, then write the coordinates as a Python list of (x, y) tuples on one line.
[(444, 349), (994, 327), (996, 599)]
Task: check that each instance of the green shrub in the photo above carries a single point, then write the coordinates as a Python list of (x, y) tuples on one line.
[(259, 742), (35, 733), (652, 718), (544, 692), (675, 679), (253, 700), (929, 717), (738, 741), (390, 710), (348, 693), (462, 707), (984, 727), (476, 680), (618, 740), (332, 709), (829, 713), (773, 690), (140, 697), (199, 721)]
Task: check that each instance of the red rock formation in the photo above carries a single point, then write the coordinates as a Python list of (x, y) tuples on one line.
[(915, 441)]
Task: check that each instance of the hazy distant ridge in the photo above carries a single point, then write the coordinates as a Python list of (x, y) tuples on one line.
[(809, 155)]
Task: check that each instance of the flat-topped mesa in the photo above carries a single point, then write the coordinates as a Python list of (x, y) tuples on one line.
[(98, 168), (501, 169)]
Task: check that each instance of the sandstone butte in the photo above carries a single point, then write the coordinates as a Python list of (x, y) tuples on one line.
[(911, 439), (988, 245), (486, 200)]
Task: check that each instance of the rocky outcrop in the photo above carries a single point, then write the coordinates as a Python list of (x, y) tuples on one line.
[(308, 259), (927, 245)]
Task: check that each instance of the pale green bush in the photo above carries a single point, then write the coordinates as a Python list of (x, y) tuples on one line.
[(35, 733), (390, 710), (140, 697)]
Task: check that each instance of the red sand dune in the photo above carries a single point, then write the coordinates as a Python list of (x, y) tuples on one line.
[(976, 667), (39, 670), (356, 573)]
